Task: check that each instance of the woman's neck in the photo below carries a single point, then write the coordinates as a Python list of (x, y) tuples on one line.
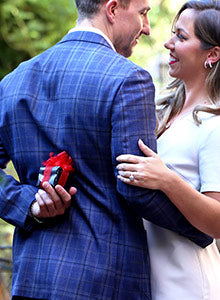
[(195, 95)]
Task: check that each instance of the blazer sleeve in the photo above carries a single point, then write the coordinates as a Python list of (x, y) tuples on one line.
[(15, 198), (133, 117)]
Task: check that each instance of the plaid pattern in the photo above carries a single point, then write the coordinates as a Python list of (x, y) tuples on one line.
[(82, 97)]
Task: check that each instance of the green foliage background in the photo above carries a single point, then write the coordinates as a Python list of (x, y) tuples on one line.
[(30, 26), (27, 27)]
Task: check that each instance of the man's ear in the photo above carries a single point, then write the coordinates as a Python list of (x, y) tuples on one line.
[(110, 10), (214, 54)]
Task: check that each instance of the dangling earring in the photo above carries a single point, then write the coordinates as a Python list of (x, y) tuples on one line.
[(209, 63)]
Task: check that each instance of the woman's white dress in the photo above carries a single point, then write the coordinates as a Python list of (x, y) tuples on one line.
[(181, 270)]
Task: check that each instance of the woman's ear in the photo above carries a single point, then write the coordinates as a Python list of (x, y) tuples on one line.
[(110, 9), (214, 54)]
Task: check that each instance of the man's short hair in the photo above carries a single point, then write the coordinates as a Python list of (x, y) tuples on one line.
[(88, 8)]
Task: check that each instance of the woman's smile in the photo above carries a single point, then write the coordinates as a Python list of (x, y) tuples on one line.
[(173, 59)]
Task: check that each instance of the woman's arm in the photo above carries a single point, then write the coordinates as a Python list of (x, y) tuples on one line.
[(201, 210)]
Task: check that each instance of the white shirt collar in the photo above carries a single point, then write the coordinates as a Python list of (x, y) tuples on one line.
[(93, 29)]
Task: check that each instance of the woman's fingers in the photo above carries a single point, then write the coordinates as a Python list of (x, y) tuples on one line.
[(126, 167), (126, 180), (145, 149), (128, 158), (134, 159), (147, 172), (125, 174), (128, 177)]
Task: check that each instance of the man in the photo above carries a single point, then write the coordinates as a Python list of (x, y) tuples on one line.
[(83, 97)]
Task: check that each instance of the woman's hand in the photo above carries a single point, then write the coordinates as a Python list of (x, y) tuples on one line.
[(147, 172)]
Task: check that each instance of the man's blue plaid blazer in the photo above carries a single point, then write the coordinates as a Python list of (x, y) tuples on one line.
[(82, 97)]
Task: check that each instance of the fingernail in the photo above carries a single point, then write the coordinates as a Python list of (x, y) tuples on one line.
[(58, 187)]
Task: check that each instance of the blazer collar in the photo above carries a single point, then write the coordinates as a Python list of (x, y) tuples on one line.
[(85, 36)]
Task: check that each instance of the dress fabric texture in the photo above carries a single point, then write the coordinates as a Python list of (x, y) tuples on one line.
[(82, 97), (179, 268)]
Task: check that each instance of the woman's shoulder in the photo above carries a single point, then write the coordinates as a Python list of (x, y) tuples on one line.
[(210, 127), (209, 121)]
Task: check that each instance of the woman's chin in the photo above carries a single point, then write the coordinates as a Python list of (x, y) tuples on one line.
[(173, 74)]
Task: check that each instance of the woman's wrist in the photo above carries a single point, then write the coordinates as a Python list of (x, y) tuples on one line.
[(169, 181)]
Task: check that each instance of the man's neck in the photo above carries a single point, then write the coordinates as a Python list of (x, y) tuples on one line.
[(95, 23), (87, 25)]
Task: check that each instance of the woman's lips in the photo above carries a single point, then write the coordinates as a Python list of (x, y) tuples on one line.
[(173, 59)]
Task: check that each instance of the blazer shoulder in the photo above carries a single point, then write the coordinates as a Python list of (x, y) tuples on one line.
[(128, 67)]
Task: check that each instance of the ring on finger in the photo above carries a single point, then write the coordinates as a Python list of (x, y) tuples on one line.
[(131, 177)]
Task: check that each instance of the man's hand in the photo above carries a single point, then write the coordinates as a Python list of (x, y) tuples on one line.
[(51, 202)]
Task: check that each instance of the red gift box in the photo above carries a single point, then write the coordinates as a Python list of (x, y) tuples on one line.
[(57, 170)]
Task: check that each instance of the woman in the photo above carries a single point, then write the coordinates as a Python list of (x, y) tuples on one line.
[(189, 144)]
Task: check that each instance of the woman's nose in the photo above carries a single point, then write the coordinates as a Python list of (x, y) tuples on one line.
[(169, 44)]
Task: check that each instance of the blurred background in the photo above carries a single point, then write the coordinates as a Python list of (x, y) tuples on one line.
[(28, 27)]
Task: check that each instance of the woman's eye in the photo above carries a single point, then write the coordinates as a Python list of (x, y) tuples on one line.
[(179, 35)]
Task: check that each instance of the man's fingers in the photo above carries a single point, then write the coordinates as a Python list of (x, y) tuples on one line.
[(42, 207), (64, 195), (52, 201), (49, 189), (47, 204), (35, 208), (57, 200), (72, 191)]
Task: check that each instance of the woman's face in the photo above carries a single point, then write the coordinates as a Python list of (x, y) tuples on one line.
[(186, 56)]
